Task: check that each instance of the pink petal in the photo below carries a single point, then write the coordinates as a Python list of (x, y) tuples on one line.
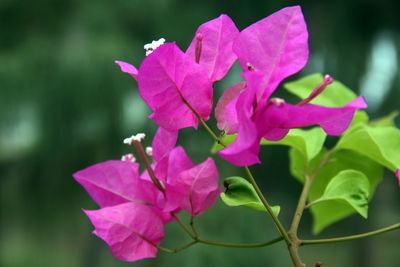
[(276, 46), (398, 175), (128, 68), (201, 184), (244, 150), (178, 162), (164, 141), (114, 182), (333, 120), (225, 111), (167, 79), (216, 53), (129, 230)]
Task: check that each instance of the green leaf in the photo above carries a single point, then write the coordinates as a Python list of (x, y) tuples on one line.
[(329, 212), (381, 144), (239, 192), (336, 94), (308, 142), (227, 139), (299, 166), (359, 117), (385, 121), (350, 187)]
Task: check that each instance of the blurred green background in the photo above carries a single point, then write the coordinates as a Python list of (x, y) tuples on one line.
[(65, 105)]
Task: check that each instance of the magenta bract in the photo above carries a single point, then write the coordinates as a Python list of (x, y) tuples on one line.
[(128, 68), (269, 51), (169, 80), (216, 55), (131, 230)]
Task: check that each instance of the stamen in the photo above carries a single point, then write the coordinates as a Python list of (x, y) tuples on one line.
[(318, 90), (140, 151), (198, 47), (249, 66), (138, 137), (128, 157), (149, 151), (153, 46)]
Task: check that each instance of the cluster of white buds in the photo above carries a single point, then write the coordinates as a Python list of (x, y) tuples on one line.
[(138, 137), (128, 157), (149, 151), (153, 46)]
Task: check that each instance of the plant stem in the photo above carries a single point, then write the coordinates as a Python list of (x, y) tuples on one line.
[(193, 227), (236, 245), (278, 224), (350, 237), (172, 251), (293, 247), (183, 226), (139, 148), (300, 206)]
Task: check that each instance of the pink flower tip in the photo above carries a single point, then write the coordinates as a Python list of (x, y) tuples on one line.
[(398, 175), (128, 157), (328, 79), (277, 101)]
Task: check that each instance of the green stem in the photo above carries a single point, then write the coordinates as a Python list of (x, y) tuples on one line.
[(184, 227), (172, 251), (236, 245), (278, 224), (351, 237), (193, 227), (300, 206)]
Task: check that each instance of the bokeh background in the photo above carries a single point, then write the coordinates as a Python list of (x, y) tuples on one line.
[(65, 105)]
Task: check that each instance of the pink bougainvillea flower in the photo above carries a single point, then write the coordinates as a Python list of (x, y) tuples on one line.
[(398, 175), (269, 51), (276, 46), (169, 81), (133, 209), (193, 188), (273, 120), (131, 230), (212, 45)]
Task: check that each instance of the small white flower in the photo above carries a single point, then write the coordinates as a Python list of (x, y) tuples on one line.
[(138, 137), (128, 157), (153, 46), (149, 151)]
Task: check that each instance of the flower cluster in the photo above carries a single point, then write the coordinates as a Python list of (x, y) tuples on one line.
[(134, 208), (176, 84), (178, 87)]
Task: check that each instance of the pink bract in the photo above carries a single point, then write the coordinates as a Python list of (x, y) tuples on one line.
[(131, 230), (216, 46), (114, 182), (169, 80), (269, 51), (277, 46), (128, 68)]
